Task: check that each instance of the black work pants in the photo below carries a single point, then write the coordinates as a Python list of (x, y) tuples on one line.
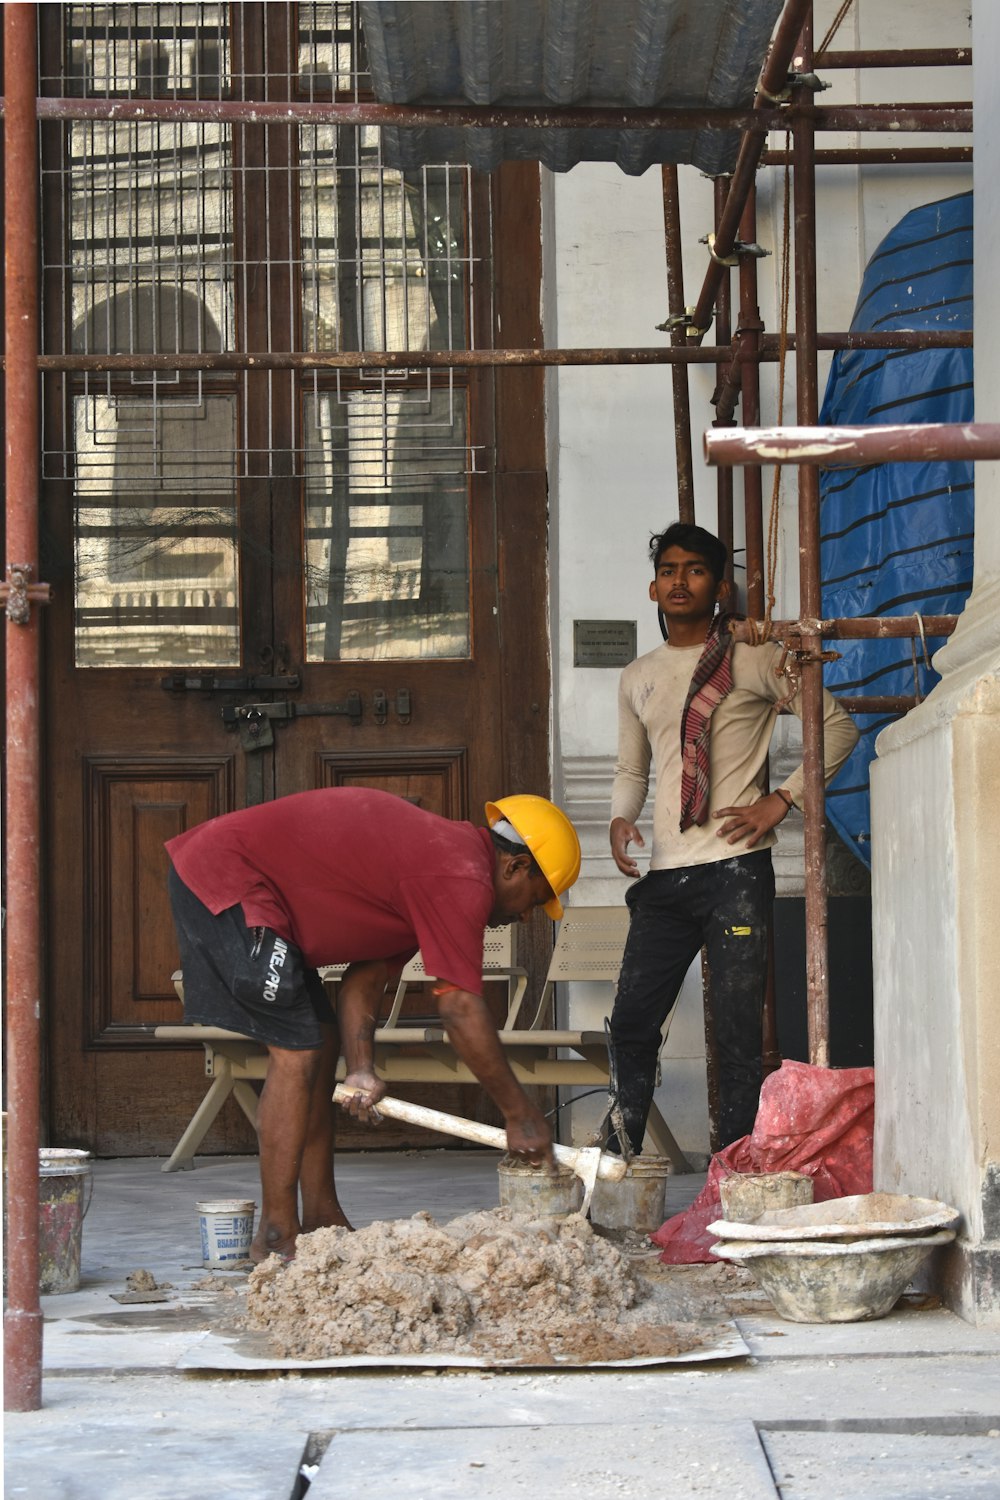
[(724, 907)]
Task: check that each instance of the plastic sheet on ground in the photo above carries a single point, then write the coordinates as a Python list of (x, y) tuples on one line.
[(813, 1120)]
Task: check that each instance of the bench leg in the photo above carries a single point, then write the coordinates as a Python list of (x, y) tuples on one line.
[(246, 1097), (182, 1157), (663, 1140)]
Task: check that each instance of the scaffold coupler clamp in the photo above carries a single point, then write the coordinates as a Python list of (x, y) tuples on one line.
[(18, 593)]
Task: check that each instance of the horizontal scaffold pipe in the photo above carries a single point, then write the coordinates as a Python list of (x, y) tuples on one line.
[(915, 57), (423, 359), (849, 447), (858, 628), (379, 359), (875, 156), (949, 117)]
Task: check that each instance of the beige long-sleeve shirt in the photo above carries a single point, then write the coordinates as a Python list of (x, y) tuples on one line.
[(651, 697)]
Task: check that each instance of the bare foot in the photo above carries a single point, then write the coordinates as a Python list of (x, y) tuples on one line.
[(271, 1242)]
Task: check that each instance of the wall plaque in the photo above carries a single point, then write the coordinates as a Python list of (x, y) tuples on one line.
[(603, 643)]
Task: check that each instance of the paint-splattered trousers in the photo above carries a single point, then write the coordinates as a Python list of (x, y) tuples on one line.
[(725, 908)]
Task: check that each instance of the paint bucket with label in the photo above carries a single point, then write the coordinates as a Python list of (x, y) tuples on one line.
[(65, 1185), (536, 1193), (637, 1201), (226, 1231)]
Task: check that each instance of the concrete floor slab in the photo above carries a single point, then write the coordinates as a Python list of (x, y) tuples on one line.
[(876, 1466), (119, 1421), (638, 1462)]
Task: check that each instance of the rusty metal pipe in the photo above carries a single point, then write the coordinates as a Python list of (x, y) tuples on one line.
[(914, 57), (23, 1316), (865, 156), (748, 336), (413, 116), (847, 447), (774, 75), (856, 628), (723, 328), (380, 359), (952, 118), (900, 338), (807, 408), (675, 308), (422, 359)]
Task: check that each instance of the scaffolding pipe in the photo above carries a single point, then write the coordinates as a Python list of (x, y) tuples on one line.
[(847, 447), (844, 628), (811, 664), (773, 81), (444, 359), (749, 329), (865, 156), (23, 1316), (915, 57), (950, 116), (675, 310), (723, 327)]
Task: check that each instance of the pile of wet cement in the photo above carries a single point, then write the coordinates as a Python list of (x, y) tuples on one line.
[(492, 1284)]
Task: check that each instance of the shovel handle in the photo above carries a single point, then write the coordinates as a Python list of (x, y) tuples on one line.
[(612, 1168)]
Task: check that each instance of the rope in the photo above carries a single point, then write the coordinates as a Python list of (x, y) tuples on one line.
[(835, 25), (774, 513)]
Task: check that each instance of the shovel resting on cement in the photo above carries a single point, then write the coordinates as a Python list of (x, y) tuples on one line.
[(588, 1162)]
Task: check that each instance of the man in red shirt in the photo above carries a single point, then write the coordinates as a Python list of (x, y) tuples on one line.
[(264, 897)]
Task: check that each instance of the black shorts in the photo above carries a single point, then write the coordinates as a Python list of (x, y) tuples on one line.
[(246, 979)]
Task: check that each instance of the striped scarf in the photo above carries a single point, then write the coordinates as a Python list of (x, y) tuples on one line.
[(711, 681)]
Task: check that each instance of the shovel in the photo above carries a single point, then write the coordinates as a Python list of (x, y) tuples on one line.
[(588, 1162)]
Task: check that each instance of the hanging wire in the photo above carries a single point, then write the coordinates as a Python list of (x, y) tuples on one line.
[(835, 26)]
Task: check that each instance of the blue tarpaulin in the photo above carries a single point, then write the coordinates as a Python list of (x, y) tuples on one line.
[(896, 539)]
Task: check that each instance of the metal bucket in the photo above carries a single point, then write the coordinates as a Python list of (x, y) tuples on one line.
[(65, 1186), (637, 1201), (536, 1193)]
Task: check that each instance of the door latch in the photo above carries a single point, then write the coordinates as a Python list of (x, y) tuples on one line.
[(255, 721)]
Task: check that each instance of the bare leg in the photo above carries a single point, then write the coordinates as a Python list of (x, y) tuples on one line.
[(283, 1122), (320, 1205)]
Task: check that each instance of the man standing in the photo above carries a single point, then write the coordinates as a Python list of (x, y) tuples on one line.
[(702, 709), (265, 897)]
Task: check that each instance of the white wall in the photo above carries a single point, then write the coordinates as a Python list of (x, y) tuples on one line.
[(612, 467), (936, 803)]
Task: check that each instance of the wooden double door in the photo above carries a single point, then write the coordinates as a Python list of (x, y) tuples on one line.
[(361, 608)]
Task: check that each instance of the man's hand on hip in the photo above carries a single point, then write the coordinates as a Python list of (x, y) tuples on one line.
[(749, 824)]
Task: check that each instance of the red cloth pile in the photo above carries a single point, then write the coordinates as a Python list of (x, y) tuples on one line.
[(813, 1120)]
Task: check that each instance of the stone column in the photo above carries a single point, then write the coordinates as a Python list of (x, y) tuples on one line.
[(936, 855)]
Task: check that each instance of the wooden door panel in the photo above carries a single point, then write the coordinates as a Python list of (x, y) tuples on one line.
[(130, 952)]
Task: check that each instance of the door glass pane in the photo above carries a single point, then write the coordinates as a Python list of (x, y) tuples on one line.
[(155, 563), (387, 526), (385, 262)]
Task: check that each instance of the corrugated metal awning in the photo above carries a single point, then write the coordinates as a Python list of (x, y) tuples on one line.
[(623, 53)]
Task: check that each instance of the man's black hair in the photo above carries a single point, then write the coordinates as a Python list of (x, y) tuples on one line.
[(690, 538), (507, 846)]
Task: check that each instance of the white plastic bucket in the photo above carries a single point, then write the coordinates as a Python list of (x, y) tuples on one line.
[(226, 1231)]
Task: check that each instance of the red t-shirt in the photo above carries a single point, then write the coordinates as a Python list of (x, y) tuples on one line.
[(348, 874)]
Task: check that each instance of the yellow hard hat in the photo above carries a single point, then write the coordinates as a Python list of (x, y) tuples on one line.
[(549, 835)]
